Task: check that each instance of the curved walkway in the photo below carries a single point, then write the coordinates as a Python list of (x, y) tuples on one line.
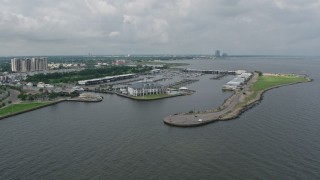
[(188, 120)]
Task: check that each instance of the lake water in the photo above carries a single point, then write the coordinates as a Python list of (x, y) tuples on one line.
[(124, 139)]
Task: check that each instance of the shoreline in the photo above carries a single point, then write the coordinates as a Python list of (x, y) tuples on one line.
[(32, 109), (49, 104), (137, 99), (254, 102), (217, 114)]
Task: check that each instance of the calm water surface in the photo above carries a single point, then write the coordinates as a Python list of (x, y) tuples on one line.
[(123, 139)]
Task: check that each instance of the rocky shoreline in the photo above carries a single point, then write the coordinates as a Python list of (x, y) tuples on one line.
[(218, 114), (87, 99)]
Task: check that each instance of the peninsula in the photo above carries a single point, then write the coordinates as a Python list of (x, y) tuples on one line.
[(241, 100)]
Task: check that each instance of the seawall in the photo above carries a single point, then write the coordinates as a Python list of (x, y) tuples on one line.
[(49, 104), (192, 120), (32, 109)]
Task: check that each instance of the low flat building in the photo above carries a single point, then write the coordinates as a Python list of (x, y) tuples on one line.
[(41, 85), (106, 79), (146, 88), (246, 76), (238, 81)]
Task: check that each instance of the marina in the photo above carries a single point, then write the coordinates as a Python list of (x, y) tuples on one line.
[(159, 90), (202, 118), (79, 140), (218, 76)]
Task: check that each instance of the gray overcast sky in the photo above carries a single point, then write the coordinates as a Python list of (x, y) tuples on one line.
[(65, 27)]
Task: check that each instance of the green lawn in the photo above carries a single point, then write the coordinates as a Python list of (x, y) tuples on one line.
[(153, 96), (15, 108), (266, 82)]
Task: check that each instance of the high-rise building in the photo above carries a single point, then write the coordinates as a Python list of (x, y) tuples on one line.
[(14, 65), (29, 64), (217, 53)]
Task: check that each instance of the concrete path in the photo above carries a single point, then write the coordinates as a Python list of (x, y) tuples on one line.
[(187, 120)]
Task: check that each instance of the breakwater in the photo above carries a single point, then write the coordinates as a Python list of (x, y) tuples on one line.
[(232, 107), (87, 99)]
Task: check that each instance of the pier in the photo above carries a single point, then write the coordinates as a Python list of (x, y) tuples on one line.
[(218, 76), (209, 71), (182, 83)]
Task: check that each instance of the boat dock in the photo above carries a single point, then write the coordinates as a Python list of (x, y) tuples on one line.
[(218, 76), (209, 71), (181, 83), (228, 108)]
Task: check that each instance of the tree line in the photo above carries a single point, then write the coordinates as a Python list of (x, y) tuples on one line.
[(70, 77), (47, 95)]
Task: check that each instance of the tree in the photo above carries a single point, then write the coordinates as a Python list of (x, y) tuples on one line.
[(259, 72), (53, 95), (31, 97), (22, 96), (166, 66), (74, 94)]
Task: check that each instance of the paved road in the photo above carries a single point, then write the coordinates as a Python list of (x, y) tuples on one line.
[(4, 94), (13, 96)]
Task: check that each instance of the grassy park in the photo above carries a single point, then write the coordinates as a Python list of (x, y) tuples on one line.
[(16, 108), (268, 81)]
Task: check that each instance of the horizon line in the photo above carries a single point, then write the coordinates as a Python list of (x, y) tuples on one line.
[(163, 55)]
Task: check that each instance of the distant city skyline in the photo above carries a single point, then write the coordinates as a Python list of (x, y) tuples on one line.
[(105, 27)]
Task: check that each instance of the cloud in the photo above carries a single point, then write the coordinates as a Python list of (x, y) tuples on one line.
[(127, 19), (138, 6), (160, 29), (114, 34), (151, 26), (101, 7)]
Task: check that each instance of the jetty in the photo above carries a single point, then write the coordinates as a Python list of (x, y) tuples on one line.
[(201, 118), (87, 97), (241, 100)]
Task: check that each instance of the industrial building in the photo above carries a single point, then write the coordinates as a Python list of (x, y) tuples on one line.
[(145, 88), (29, 64), (238, 81), (106, 79)]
